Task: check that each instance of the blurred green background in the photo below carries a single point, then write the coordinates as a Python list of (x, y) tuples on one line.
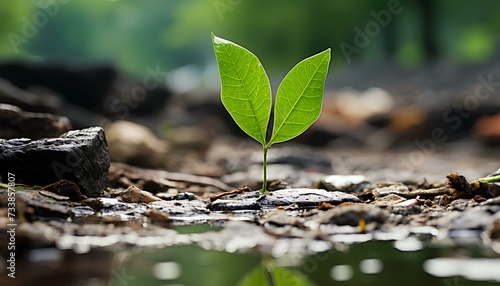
[(135, 34)]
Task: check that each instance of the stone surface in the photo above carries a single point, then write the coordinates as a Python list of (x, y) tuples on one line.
[(232, 205), (353, 214), (15, 123), (80, 156), (306, 198), (135, 144), (26, 100), (345, 183), (394, 189)]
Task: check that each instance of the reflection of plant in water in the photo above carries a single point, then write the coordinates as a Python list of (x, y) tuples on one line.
[(269, 274), (246, 94), (120, 278), (449, 282)]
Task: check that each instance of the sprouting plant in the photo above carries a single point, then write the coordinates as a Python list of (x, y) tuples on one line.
[(246, 94), (492, 179)]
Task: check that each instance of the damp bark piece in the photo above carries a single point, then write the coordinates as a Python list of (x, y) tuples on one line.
[(80, 156), (65, 188), (118, 171), (135, 195), (32, 202)]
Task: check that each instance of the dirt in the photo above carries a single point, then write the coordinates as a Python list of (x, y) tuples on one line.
[(141, 207)]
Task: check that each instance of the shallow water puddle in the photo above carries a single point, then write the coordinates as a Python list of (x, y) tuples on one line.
[(376, 263)]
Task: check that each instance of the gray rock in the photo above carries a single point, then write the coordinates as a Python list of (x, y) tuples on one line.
[(345, 183), (80, 156), (394, 189), (305, 198), (232, 205), (351, 215), (15, 123)]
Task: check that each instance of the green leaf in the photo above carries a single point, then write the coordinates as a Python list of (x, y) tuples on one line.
[(246, 92), (299, 97)]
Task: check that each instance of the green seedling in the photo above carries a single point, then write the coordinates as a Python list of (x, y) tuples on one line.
[(246, 94), (493, 179)]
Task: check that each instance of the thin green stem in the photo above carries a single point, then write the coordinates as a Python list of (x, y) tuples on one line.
[(264, 165), (269, 270), (489, 179)]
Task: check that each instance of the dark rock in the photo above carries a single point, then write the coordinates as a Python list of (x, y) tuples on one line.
[(466, 190), (232, 205), (352, 214), (26, 100), (80, 156), (299, 157), (305, 198), (15, 123), (486, 190), (159, 185), (85, 86), (97, 87)]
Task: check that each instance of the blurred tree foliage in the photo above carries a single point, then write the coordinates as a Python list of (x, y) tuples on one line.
[(10, 15), (136, 34)]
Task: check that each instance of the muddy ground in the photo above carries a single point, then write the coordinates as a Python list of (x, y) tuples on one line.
[(317, 198)]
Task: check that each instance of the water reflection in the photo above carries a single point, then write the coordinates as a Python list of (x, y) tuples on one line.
[(167, 270), (371, 266), (341, 272), (376, 263), (474, 269)]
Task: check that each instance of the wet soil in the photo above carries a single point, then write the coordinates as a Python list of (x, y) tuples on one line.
[(345, 198)]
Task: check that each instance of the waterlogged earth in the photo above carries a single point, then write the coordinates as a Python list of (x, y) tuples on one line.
[(344, 217)]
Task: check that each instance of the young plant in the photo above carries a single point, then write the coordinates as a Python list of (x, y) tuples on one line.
[(246, 94)]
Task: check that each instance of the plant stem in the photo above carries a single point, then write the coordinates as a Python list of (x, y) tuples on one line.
[(269, 270), (264, 165), (489, 179)]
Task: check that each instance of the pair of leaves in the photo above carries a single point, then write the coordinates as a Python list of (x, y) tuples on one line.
[(280, 276), (246, 92)]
